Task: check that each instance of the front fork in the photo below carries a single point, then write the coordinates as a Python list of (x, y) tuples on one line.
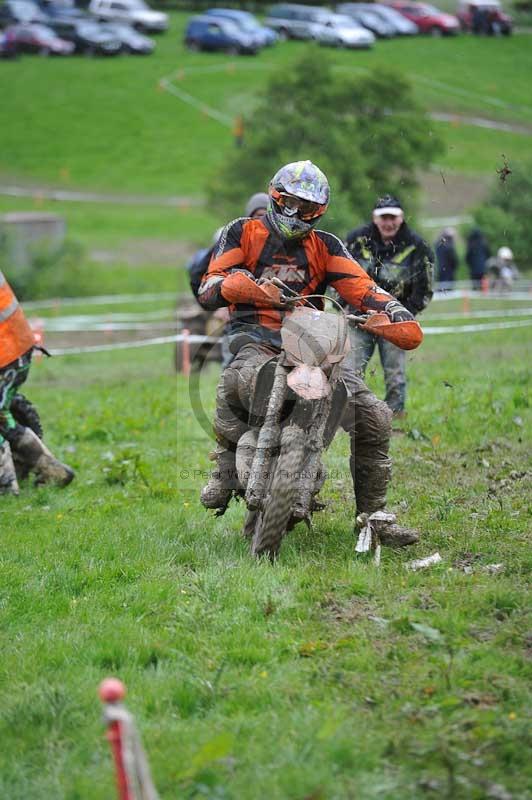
[(269, 438)]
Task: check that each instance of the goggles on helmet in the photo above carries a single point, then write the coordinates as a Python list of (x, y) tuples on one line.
[(291, 204)]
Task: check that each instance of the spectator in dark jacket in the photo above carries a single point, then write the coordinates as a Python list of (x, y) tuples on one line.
[(446, 258), (477, 254), (198, 265), (401, 263)]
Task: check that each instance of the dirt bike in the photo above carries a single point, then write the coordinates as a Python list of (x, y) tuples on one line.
[(296, 408)]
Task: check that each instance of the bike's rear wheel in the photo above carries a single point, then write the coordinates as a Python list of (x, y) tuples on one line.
[(271, 524)]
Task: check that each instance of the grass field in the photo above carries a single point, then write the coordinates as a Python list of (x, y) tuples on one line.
[(320, 677), (105, 124), (110, 126)]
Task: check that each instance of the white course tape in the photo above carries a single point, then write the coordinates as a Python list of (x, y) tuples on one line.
[(100, 348), (488, 326), (62, 326), (150, 322), (491, 313), (190, 100), (194, 339), (101, 300), (460, 294)]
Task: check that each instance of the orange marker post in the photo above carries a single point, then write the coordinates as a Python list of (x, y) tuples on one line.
[(185, 363), (38, 334)]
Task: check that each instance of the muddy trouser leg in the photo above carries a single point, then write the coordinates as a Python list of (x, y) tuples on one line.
[(233, 397), (367, 420), (227, 355), (394, 365), (362, 347), (25, 445), (11, 377)]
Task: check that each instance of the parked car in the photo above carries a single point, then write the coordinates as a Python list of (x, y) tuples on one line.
[(342, 31), (248, 23), (13, 12), (400, 24), (429, 19), (131, 39), (215, 33), (135, 12), (297, 22), (37, 38), (61, 9), (8, 44), (369, 19), (495, 19), (87, 37)]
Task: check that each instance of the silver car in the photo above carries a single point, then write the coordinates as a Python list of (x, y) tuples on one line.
[(342, 31), (402, 26), (297, 22)]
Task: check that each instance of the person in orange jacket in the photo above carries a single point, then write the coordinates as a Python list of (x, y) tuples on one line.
[(17, 343), (285, 244)]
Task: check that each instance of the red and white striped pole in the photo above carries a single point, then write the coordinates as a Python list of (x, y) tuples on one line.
[(133, 778)]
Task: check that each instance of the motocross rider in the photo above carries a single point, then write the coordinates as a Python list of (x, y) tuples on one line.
[(17, 343), (284, 244)]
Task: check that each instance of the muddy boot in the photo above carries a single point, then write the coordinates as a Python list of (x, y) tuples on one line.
[(394, 535), (217, 492), (8, 476), (370, 481), (385, 529), (39, 460)]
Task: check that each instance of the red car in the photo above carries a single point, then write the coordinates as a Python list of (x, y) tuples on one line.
[(484, 16), (36, 38), (429, 19)]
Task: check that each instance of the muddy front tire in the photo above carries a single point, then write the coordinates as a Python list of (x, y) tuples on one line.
[(271, 524)]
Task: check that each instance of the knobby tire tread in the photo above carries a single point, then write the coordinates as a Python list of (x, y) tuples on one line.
[(272, 523)]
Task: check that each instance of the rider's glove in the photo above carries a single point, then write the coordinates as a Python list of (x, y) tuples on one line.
[(397, 312)]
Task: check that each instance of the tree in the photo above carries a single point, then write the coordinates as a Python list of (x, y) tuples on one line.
[(367, 133), (505, 217)]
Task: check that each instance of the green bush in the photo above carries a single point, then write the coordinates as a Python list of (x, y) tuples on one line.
[(505, 217), (367, 134), (59, 273)]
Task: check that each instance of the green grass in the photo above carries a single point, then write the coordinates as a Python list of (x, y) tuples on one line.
[(136, 241), (471, 151), (306, 679), (106, 225), (104, 123)]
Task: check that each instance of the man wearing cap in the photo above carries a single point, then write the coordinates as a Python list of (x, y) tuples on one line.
[(401, 263)]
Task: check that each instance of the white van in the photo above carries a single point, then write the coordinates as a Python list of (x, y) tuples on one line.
[(135, 12)]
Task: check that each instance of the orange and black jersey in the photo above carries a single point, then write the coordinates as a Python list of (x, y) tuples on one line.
[(308, 266)]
